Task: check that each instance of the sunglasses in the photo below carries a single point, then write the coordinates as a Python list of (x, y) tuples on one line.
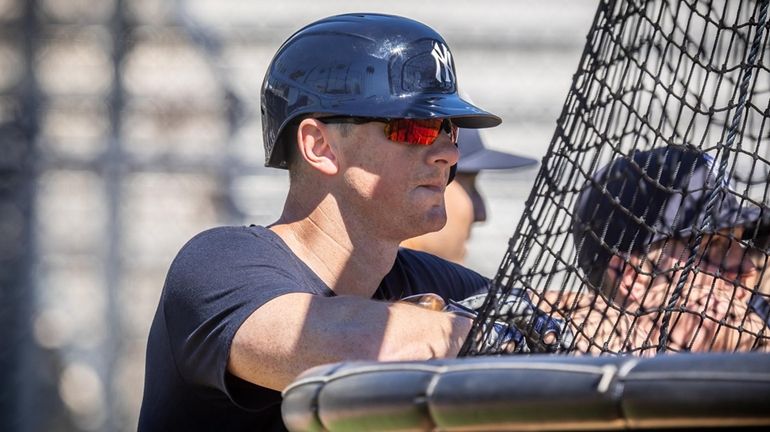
[(411, 131)]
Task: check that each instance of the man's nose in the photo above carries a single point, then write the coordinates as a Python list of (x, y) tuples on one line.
[(443, 150)]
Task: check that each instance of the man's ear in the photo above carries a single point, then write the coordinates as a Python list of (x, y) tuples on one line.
[(315, 147)]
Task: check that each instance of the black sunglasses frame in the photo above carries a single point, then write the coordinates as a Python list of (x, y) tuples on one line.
[(446, 124)]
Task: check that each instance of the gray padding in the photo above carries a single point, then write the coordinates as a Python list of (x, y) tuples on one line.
[(533, 393), (699, 389)]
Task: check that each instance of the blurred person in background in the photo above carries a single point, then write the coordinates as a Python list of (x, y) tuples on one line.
[(464, 203), (633, 225)]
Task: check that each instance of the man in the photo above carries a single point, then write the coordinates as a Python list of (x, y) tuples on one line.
[(635, 223), (362, 109), (464, 203)]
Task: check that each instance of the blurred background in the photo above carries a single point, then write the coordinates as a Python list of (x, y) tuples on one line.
[(127, 126)]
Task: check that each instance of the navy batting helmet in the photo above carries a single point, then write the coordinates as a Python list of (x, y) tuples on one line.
[(363, 65)]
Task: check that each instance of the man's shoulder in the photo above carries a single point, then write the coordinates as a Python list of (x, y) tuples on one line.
[(229, 240), (228, 233), (416, 272), (428, 260), (222, 251)]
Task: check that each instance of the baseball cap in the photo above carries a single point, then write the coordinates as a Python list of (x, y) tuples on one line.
[(649, 196), (474, 156)]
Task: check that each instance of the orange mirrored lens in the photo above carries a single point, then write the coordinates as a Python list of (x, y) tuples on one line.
[(420, 132)]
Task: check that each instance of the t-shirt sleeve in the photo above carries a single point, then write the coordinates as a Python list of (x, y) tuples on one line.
[(416, 272), (218, 279)]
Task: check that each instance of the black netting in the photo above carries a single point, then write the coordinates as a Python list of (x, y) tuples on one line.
[(646, 228)]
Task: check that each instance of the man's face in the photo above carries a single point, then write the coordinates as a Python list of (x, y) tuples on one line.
[(395, 188), (464, 207), (715, 291), (722, 263)]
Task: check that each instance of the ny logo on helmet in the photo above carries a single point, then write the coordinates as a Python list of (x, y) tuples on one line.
[(444, 71)]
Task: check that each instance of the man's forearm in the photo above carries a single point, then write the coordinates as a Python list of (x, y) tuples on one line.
[(292, 333)]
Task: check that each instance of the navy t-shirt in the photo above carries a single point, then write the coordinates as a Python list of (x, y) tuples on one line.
[(219, 279)]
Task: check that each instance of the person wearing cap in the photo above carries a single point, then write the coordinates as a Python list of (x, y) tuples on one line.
[(634, 225), (362, 110), (464, 202)]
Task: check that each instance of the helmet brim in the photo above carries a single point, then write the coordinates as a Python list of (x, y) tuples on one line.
[(463, 113), (427, 106)]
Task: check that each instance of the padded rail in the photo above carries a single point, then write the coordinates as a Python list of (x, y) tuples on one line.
[(533, 393)]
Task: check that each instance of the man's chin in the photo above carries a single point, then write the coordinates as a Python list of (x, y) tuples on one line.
[(436, 223), (425, 226)]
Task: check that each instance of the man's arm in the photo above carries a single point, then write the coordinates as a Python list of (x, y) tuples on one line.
[(595, 322), (599, 326), (294, 332)]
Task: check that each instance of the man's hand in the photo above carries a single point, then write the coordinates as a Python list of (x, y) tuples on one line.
[(599, 326), (543, 332), (496, 337), (705, 319), (710, 318), (499, 337)]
